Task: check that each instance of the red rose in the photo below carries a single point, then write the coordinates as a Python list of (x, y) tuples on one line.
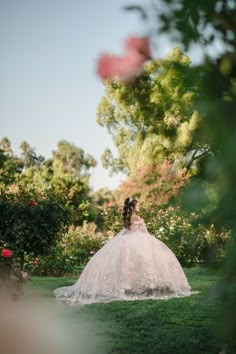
[(6, 253), (36, 262), (32, 202)]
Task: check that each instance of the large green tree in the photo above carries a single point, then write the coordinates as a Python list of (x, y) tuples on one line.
[(71, 160), (153, 118)]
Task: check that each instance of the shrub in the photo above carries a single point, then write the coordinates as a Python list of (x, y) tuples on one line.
[(30, 221), (191, 241), (73, 251)]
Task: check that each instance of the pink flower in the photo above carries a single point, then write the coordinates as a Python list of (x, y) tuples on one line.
[(140, 45), (110, 204), (125, 68), (36, 262), (121, 68), (107, 66), (25, 275), (170, 208), (6, 253)]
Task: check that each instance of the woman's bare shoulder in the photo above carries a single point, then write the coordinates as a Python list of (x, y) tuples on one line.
[(135, 218)]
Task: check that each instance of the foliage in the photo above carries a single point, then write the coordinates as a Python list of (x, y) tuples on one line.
[(153, 184), (64, 175), (10, 165), (112, 213), (192, 242), (70, 160), (30, 222), (153, 118), (73, 251), (101, 199)]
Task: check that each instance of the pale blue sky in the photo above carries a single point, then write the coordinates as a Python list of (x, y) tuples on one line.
[(48, 86)]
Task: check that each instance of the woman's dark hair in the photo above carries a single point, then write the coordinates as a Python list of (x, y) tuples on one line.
[(128, 208)]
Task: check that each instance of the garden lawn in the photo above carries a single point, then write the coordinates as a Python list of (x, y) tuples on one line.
[(179, 326)]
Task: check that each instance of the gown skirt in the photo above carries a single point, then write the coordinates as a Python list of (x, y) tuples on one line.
[(133, 265)]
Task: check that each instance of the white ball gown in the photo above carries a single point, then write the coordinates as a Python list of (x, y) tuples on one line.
[(133, 265)]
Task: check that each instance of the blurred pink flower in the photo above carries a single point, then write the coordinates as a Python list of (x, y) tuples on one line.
[(107, 66), (121, 68), (126, 67), (36, 262), (140, 45), (25, 275), (110, 204), (170, 208), (13, 188)]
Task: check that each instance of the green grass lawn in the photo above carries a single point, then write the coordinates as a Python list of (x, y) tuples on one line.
[(178, 326)]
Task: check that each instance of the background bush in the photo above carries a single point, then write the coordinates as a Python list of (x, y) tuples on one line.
[(72, 251), (31, 222)]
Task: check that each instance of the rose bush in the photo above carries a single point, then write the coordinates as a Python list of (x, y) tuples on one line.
[(31, 222), (192, 242)]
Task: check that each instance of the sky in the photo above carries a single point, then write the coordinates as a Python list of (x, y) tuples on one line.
[(48, 84)]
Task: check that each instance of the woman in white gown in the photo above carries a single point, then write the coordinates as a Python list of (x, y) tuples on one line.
[(133, 265)]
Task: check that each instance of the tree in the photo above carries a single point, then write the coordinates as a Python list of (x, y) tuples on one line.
[(29, 156), (152, 118), (153, 186), (67, 174), (10, 165), (70, 160)]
